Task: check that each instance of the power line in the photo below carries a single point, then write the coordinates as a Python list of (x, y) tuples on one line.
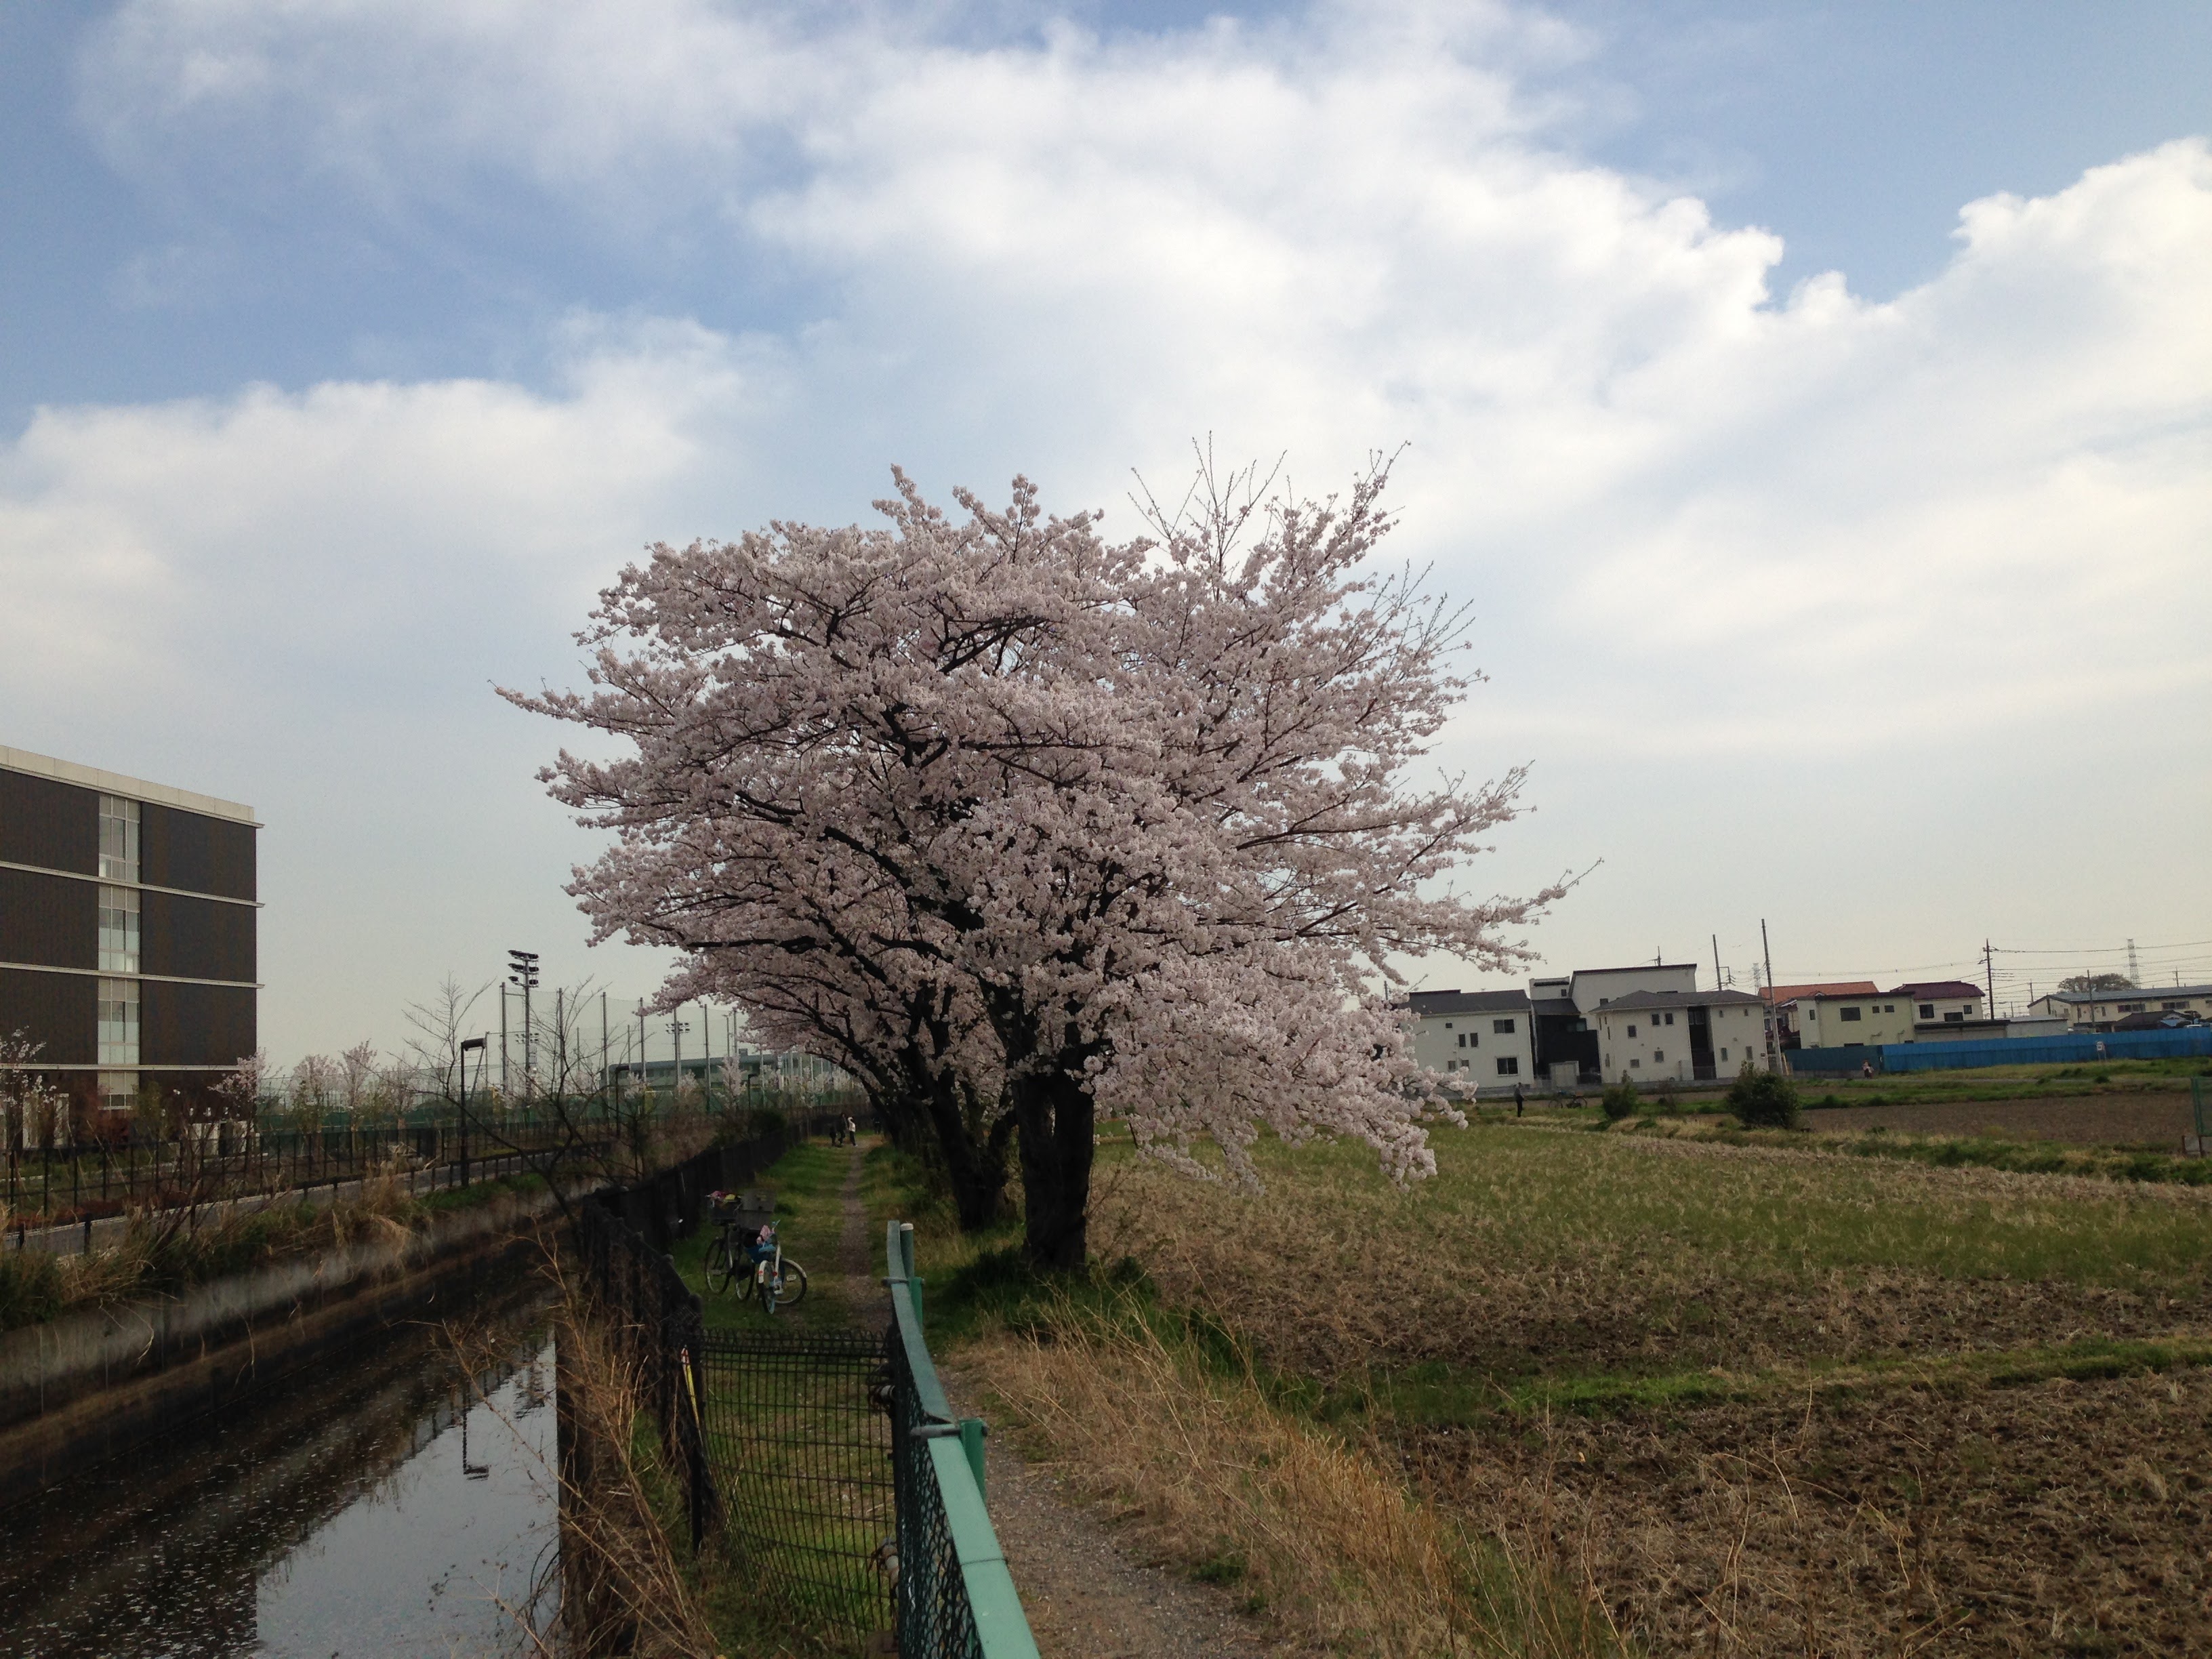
[(2099, 949)]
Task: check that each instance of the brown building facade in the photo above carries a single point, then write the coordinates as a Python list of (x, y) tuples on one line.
[(128, 921)]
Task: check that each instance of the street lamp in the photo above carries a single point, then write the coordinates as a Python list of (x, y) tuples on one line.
[(522, 969)]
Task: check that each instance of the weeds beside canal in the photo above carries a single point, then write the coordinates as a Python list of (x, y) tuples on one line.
[(163, 1252)]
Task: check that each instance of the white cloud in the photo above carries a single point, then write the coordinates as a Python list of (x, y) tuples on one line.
[(1957, 517)]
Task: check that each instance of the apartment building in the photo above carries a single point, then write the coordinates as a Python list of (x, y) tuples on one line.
[(129, 926)]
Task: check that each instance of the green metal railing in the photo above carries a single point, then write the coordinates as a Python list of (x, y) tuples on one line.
[(954, 1597)]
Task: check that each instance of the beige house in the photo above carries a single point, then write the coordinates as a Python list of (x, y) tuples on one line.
[(1837, 1021), (1680, 1036)]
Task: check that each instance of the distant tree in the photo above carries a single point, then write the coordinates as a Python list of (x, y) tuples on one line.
[(1137, 822), (2097, 984), (1621, 1100)]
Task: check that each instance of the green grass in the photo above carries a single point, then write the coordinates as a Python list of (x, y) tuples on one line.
[(752, 1437), (1441, 1394), (807, 1182)]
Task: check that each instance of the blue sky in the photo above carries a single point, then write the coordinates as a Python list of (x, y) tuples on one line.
[(1838, 560)]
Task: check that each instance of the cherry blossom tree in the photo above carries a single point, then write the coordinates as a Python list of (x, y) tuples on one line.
[(1136, 824)]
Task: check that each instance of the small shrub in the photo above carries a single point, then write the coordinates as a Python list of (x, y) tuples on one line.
[(1621, 1100), (1765, 1100)]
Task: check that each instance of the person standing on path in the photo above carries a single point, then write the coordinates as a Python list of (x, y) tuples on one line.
[(1516, 1100)]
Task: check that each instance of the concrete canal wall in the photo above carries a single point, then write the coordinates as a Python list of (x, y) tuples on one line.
[(96, 1382)]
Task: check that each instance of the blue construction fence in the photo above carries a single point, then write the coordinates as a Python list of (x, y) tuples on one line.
[(2072, 1048)]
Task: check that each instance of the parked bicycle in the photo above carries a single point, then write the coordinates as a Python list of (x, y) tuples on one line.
[(746, 1253)]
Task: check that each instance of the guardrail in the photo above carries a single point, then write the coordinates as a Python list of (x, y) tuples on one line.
[(954, 1598)]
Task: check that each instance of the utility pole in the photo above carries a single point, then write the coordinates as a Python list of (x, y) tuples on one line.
[(1716, 962), (505, 1089), (1989, 976), (1773, 1037), (2134, 972)]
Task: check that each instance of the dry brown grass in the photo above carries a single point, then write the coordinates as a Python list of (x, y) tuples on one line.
[(1796, 1402), (1313, 1527), (624, 1590), (1534, 1253)]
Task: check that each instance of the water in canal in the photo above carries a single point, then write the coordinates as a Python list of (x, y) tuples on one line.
[(396, 1500)]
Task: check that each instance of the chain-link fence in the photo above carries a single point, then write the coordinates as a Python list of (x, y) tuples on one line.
[(955, 1599), (826, 1465), (798, 1440)]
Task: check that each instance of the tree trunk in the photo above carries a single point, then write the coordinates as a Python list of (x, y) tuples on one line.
[(1055, 1115), (974, 1165)]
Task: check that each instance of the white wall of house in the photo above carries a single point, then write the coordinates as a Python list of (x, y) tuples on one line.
[(2118, 1005), (1483, 1050), (1592, 987), (1652, 1045)]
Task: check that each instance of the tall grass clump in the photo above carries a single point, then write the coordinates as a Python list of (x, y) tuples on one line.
[(1621, 1101), (1765, 1100)]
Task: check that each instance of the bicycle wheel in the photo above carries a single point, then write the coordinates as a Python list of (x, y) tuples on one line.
[(719, 1271), (771, 1286), (794, 1285)]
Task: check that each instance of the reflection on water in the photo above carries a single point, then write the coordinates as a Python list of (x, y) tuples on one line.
[(386, 1504)]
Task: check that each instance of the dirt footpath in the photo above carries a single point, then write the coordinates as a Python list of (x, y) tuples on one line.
[(2129, 1119), (1087, 1596)]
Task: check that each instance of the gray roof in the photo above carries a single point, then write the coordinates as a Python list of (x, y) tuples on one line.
[(1427, 1004), (1637, 999)]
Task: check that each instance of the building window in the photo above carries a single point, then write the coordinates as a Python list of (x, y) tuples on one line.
[(1658, 1056), (2132, 1007), (1502, 1027), (1724, 1053), (1927, 1011), (1954, 1019), (118, 1022), (118, 1091), (2169, 1007), (1670, 1017), (1462, 1039), (1850, 1015), (1509, 1066), (118, 839), (118, 930), (1631, 1030)]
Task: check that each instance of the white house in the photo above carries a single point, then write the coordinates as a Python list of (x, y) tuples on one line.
[(2080, 1008), (1477, 1040), (1681, 1036)]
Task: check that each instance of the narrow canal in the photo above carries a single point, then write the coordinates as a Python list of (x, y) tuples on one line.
[(398, 1500)]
